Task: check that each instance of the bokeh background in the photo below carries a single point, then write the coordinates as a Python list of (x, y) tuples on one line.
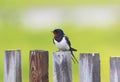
[(92, 26)]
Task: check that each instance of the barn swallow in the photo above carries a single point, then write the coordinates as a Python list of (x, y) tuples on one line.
[(62, 42)]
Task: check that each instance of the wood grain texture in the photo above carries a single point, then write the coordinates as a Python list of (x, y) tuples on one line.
[(12, 66), (114, 69), (39, 66), (62, 67), (89, 67)]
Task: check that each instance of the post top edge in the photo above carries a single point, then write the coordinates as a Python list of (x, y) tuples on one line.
[(62, 52), (36, 50), (8, 50), (114, 56), (89, 53)]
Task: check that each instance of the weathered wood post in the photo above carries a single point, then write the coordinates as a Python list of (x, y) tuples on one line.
[(62, 66), (89, 67), (12, 66), (114, 69), (39, 66)]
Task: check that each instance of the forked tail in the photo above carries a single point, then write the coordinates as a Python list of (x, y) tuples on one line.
[(74, 58)]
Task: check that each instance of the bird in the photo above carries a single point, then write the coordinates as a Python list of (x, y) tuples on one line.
[(63, 43)]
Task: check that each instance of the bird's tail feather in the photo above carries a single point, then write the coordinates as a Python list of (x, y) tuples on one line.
[(74, 58), (72, 49)]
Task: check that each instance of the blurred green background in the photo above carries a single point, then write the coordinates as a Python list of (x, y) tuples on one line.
[(92, 26)]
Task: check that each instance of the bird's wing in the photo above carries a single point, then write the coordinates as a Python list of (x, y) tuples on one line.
[(71, 49), (68, 41)]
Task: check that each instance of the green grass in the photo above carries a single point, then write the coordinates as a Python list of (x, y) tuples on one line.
[(104, 41)]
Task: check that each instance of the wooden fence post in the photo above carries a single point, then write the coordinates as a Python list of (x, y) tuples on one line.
[(89, 67), (12, 66), (62, 66), (114, 69), (39, 66)]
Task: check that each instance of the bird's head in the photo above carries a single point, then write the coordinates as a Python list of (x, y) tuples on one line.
[(58, 32)]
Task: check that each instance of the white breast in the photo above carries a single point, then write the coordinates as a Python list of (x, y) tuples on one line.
[(62, 45)]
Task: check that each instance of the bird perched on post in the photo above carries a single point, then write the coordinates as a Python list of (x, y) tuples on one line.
[(62, 42)]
